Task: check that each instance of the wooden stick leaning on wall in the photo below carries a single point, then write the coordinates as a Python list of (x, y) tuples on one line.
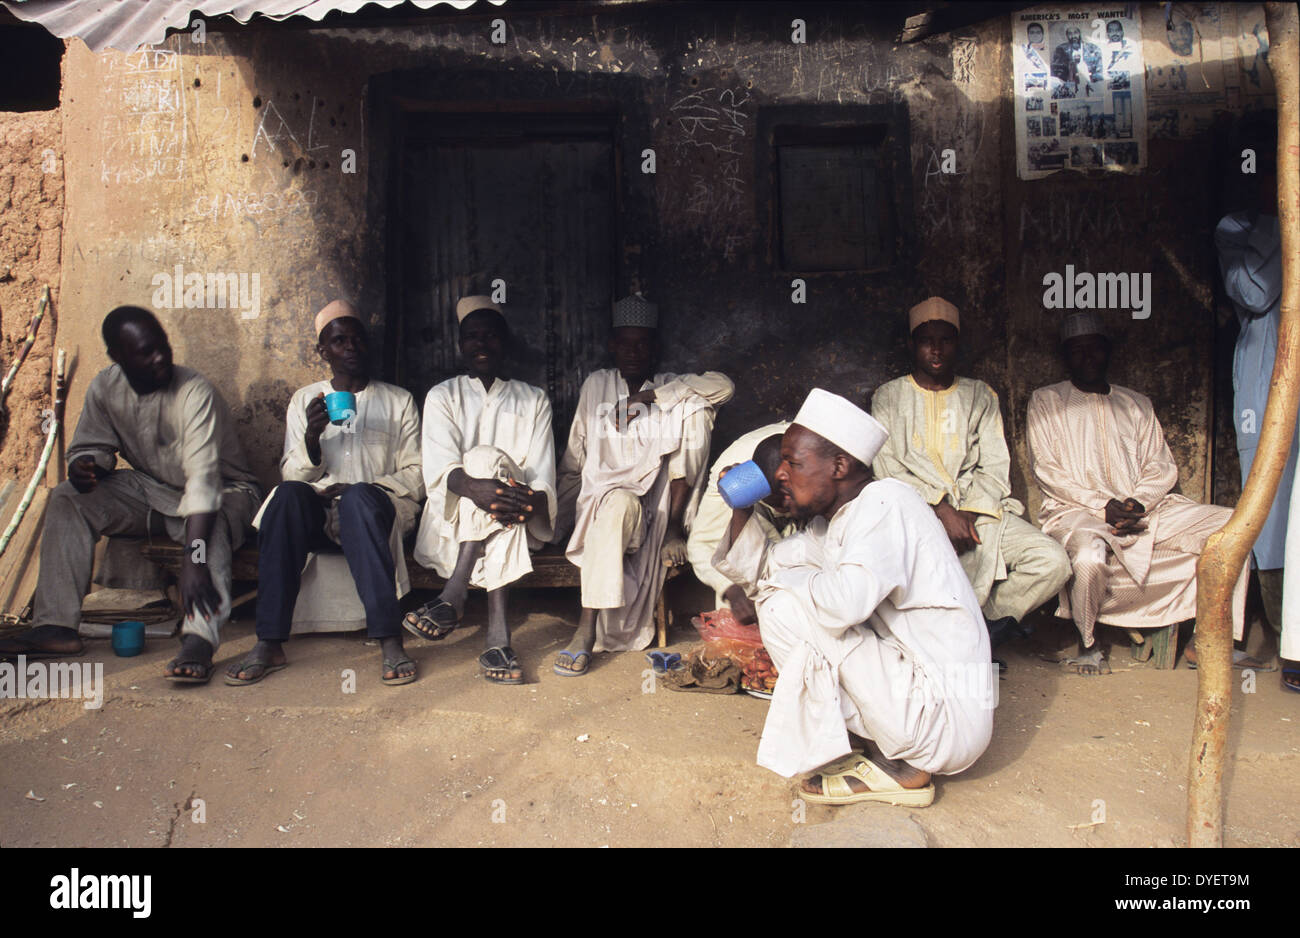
[(1227, 550), (51, 435), (28, 342)]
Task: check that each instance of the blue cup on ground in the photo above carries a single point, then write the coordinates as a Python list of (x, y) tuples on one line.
[(342, 406), (744, 485), (128, 639)]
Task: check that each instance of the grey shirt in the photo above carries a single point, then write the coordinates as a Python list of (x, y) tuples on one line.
[(182, 436)]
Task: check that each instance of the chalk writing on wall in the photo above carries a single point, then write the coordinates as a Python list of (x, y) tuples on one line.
[(163, 250), (936, 211), (1055, 225), (238, 204), (275, 133), (143, 123), (715, 122)]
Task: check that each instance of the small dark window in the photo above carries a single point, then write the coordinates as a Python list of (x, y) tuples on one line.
[(29, 66), (835, 198)]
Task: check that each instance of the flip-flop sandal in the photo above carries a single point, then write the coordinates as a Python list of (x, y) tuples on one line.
[(664, 661), (501, 658), (880, 787), (399, 679), (430, 622), (208, 667), (260, 669), (1290, 672), (575, 671)]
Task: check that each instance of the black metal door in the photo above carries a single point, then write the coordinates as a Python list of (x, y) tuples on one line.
[(527, 200)]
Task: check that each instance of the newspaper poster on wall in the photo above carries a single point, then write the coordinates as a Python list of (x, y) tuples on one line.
[(1186, 57), (1079, 89)]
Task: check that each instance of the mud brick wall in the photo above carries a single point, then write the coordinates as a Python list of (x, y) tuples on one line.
[(31, 232)]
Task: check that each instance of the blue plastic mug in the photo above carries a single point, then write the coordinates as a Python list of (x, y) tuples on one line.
[(744, 485), (342, 406), (128, 639)]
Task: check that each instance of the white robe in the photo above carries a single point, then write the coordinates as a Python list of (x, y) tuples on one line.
[(874, 627), (512, 417), (381, 446), (714, 517), (672, 435)]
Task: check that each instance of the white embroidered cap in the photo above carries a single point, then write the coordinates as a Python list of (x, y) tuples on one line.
[(843, 423)]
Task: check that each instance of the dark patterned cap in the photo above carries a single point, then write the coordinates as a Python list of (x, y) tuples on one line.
[(636, 310), (1077, 324)]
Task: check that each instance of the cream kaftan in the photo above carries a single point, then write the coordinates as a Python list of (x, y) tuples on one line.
[(1085, 449), (613, 486), (951, 443)]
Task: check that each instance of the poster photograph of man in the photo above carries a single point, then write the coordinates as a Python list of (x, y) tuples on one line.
[(1076, 62)]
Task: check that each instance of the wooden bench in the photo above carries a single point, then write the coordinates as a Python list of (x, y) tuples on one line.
[(550, 569), (1159, 646)]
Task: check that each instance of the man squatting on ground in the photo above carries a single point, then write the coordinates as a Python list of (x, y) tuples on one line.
[(356, 485), (190, 479), (489, 468), (629, 483), (869, 618), (946, 441)]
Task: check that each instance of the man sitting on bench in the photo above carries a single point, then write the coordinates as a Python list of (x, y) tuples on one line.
[(631, 479), (188, 476), (356, 484), (489, 468)]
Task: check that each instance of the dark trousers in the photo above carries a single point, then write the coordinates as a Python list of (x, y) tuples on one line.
[(293, 526)]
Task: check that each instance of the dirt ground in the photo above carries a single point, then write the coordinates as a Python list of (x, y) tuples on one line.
[(594, 761)]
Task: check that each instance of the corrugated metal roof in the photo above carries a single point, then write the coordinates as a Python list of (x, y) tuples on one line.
[(129, 24)]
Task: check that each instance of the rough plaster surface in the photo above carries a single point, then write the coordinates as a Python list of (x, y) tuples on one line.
[(31, 227)]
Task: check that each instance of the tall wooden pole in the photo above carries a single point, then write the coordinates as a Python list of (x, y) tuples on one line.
[(1226, 551)]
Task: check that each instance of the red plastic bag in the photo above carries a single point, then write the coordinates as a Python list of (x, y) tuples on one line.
[(724, 635)]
